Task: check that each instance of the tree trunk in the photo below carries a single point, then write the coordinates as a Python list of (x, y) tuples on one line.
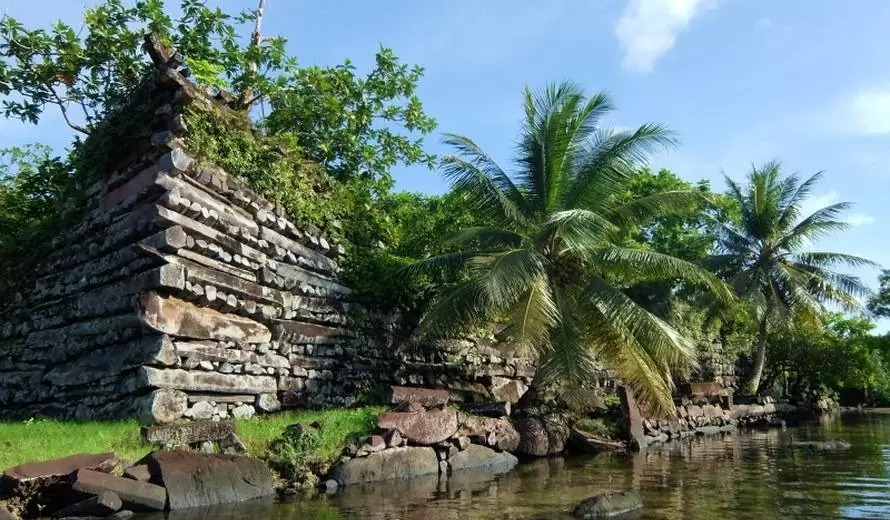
[(760, 361), (256, 38), (532, 397)]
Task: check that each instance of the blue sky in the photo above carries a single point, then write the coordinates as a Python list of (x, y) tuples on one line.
[(740, 81)]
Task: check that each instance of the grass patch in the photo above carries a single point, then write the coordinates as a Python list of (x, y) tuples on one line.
[(45, 439)]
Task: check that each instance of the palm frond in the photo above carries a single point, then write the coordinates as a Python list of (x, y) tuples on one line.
[(657, 205), (641, 263), (534, 316), (487, 237)]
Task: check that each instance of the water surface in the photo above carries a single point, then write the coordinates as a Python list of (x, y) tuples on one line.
[(744, 475)]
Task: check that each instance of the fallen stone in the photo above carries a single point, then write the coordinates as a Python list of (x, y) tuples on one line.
[(188, 433), (407, 407), (424, 428), (476, 456), (330, 486), (443, 467), (426, 397), (135, 495), (392, 438), (198, 480), (232, 445), (139, 473), (462, 442), (103, 504), (608, 505), (58, 468), (827, 445), (394, 463), (123, 514), (376, 443)]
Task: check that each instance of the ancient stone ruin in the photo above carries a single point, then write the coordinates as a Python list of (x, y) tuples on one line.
[(183, 293)]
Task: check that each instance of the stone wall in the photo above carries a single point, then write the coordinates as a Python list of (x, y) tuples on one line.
[(183, 293)]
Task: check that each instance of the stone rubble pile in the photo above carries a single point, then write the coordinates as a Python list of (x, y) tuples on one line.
[(103, 486)]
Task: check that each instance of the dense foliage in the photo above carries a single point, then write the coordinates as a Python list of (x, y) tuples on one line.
[(551, 264), (586, 254)]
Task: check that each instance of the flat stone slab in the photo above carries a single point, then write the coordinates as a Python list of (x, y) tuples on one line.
[(426, 397), (188, 433), (200, 480), (476, 457), (57, 468), (425, 428), (608, 505), (135, 495), (392, 463)]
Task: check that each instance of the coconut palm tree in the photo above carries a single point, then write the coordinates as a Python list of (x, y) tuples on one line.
[(550, 266), (767, 259)]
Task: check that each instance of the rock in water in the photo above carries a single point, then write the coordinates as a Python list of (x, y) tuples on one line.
[(198, 480), (135, 495), (476, 456), (393, 463), (608, 505), (827, 445)]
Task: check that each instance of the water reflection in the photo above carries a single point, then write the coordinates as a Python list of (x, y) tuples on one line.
[(739, 476)]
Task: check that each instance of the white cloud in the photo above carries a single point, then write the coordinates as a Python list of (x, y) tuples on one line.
[(648, 29), (812, 204), (869, 111), (860, 220)]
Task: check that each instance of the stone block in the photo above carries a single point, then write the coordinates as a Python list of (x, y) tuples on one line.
[(476, 456), (161, 406), (206, 381), (180, 318), (393, 463), (188, 433), (57, 468), (200, 480), (426, 397), (135, 495), (424, 428)]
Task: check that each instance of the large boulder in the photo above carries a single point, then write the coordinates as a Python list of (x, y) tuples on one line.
[(424, 428), (5, 514), (540, 437), (393, 463), (608, 505), (200, 480), (476, 456)]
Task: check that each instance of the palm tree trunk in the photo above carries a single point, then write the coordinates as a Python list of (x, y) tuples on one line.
[(532, 396), (760, 361)]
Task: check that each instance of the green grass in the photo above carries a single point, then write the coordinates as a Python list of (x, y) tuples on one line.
[(35, 440)]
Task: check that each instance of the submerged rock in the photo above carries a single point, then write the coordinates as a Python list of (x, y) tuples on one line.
[(827, 445), (608, 505), (393, 463), (476, 456)]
